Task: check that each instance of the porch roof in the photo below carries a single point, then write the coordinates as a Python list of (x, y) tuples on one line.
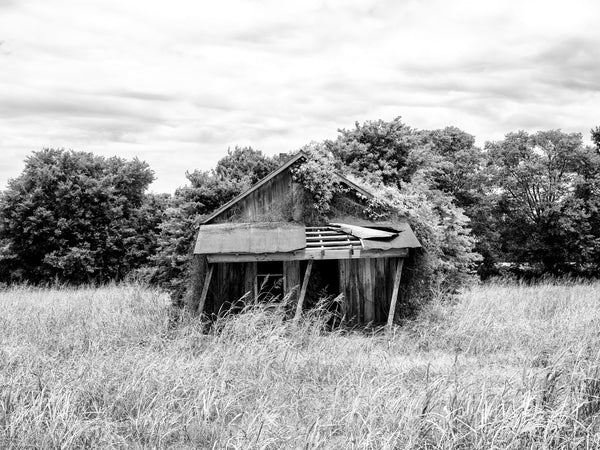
[(250, 238), (273, 241)]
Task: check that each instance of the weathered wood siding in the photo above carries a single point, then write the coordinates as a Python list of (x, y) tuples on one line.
[(229, 283), (367, 287), (232, 281), (292, 278), (272, 201), (282, 199)]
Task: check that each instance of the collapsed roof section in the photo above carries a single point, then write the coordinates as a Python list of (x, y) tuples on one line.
[(280, 241)]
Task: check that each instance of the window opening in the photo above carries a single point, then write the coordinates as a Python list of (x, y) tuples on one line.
[(269, 280)]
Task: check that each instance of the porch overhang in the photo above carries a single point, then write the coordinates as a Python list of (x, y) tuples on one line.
[(277, 241), (250, 238)]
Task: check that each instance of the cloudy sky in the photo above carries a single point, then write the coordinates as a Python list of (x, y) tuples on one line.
[(178, 82)]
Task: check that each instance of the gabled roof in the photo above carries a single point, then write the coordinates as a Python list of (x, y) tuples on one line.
[(290, 162)]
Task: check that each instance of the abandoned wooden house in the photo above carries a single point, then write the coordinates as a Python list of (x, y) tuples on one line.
[(263, 244)]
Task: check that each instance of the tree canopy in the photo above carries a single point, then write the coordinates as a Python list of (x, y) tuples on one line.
[(376, 150), (529, 202), (541, 186), (76, 217)]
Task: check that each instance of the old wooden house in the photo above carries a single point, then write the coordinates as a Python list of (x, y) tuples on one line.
[(263, 244)]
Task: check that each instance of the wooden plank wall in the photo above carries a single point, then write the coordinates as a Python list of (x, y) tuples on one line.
[(292, 278), (367, 286), (273, 201), (231, 281), (228, 284)]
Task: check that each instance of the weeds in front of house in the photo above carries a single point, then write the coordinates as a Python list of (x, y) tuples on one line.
[(505, 366)]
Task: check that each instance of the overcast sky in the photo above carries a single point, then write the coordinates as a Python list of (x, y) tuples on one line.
[(178, 82)]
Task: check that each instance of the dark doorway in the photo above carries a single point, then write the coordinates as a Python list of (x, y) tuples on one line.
[(324, 281)]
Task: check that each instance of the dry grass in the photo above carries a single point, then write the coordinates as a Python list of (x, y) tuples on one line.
[(505, 367)]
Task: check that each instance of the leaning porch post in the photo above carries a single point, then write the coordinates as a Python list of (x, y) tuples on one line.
[(394, 299), (204, 294), (303, 290)]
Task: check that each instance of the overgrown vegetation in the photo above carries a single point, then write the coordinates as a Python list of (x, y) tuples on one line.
[(506, 366), (315, 175), (448, 260)]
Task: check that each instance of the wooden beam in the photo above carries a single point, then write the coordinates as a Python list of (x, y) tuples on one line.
[(315, 234), (303, 291), (308, 254), (249, 277), (198, 266), (343, 283), (333, 237), (255, 288), (368, 295), (337, 243), (394, 299), (204, 294), (292, 284)]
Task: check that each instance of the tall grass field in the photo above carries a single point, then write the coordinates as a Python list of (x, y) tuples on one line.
[(504, 366)]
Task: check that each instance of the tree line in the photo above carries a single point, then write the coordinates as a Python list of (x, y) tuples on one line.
[(527, 205)]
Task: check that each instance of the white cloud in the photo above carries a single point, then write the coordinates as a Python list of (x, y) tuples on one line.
[(177, 83)]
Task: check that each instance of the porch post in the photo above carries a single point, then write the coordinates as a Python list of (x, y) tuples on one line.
[(394, 299), (303, 290), (204, 294)]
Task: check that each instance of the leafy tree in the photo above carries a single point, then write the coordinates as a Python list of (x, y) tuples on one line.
[(141, 237), (542, 211), (244, 162), (377, 150), (452, 162), (392, 153), (596, 138), (586, 203), (75, 217)]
